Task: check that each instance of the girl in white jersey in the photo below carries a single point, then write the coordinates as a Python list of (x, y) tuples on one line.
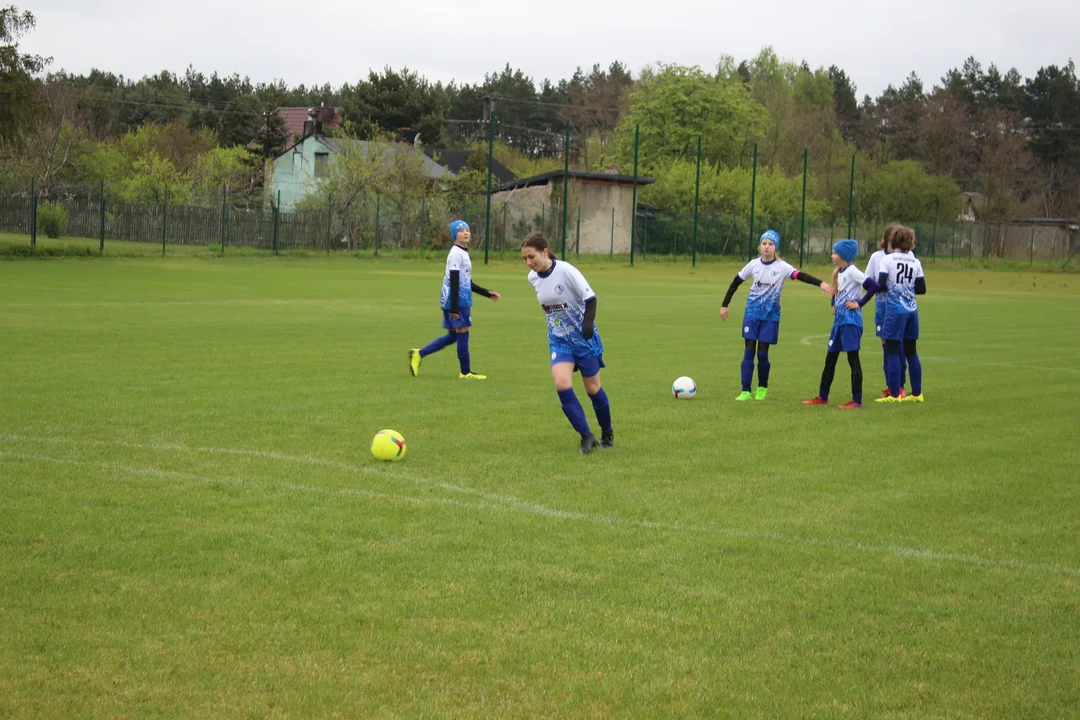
[(574, 341), (846, 335), (761, 319), (456, 304), (901, 274), (873, 267)]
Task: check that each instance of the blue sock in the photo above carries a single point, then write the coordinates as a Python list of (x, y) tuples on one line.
[(915, 368), (463, 352), (857, 397), (763, 367), (747, 369), (903, 369), (437, 344), (885, 363), (894, 375), (602, 408), (571, 407)]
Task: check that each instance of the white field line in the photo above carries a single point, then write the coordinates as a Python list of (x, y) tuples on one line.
[(504, 503)]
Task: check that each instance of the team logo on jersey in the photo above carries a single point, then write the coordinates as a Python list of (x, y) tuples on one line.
[(559, 289)]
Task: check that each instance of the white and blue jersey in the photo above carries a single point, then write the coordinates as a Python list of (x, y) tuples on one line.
[(873, 265), (563, 291), (899, 272), (458, 259), (763, 301), (849, 286)]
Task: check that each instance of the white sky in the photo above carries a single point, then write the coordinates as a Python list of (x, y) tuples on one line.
[(338, 41)]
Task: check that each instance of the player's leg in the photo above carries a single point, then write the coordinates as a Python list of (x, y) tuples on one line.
[(893, 348), (884, 365), (746, 369), (911, 336), (464, 360), (856, 380), (763, 368), (826, 379), (590, 376), (562, 373), (416, 355)]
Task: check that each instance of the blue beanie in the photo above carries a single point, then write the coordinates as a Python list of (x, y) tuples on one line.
[(772, 236), (847, 249), (456, 227)]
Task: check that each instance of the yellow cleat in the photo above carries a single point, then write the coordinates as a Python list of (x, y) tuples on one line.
[(914, 398), (888, 399), (414, 361), (471, 376)]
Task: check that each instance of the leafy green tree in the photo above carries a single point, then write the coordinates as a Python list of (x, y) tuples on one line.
[(676, 104), (18, 87), (391, 100)]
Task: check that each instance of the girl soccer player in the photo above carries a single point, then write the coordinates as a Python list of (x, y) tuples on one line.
[(847, 328), (901, 274), (570, 306), (456, 304), (873, 265), (761, 320)]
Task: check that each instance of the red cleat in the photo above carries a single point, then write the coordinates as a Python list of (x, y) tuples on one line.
[(850, 406), (815, 401), (902, 394), (885, 392)]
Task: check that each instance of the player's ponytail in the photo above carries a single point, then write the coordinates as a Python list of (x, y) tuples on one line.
[(835, 280)]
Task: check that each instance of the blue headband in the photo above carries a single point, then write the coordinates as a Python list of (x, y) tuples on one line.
[(456, 227), (772, 236)]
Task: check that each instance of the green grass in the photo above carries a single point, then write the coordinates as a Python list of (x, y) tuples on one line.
[(193, 526)]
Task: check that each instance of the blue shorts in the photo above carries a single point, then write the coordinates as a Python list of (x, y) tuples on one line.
[(900, 326), (879, 316), (587, 360), (845, 338), (450, 323), (765, 331)]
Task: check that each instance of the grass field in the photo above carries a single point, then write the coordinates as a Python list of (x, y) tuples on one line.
[(193, 526)]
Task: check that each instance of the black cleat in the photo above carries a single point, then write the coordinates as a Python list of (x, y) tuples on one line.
[(607, 440), (588, 444)]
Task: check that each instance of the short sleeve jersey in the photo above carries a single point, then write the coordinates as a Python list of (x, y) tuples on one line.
[(458, 259), (763, 301), (873, 266), (849, 286), (902, 270), (562, 292)]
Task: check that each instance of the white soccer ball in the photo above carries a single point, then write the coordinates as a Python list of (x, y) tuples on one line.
[(684, 388)]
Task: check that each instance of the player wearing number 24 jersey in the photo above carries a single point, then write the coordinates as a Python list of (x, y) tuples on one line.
[(901, 276)]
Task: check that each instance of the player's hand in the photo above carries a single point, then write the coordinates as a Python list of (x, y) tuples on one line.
[(832, 309), (723, 313), (587, 333), (455, 316), (494, 296), (826, 288), (851, 305)]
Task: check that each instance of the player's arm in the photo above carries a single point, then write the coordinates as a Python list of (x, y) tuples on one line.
[(455, 289), (811, 280), (588, 320), (872, 288), (920, 283), (731, 290), (485, 292)]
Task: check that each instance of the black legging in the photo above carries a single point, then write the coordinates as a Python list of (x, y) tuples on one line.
[(892, 347), (830, 370)]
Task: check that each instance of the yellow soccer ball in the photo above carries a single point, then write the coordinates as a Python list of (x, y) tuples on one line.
[(388, 445)]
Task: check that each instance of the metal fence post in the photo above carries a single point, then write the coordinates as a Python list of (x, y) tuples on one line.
[(378, 212), (851, 197), (33, 212), (802, 226), (101, 247), (277, 216), (224, 216), (164, 219), (611, 253), (697, 197), (565, 185), (423, 209), (633, 205), (753, 197), (487, 215)]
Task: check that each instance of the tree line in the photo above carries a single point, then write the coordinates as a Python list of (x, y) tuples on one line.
[(1012, 140)]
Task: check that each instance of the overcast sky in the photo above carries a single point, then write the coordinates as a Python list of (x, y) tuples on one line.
[(338, 41)]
